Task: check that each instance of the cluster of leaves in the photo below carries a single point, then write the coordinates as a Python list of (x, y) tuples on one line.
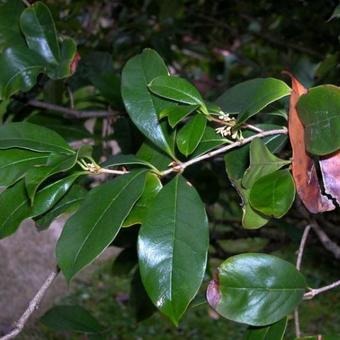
[(39, 171)]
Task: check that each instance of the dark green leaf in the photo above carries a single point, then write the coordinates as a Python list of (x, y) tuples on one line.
[(139, 301), (256, 289), (209, 141), (250, 97), (125, 262), (138, 213), (319, 111), (273, 194), (71, 319), (14, 163), (190, 135), (41, 37), (142, 106), (176, 89), (33, 137), (262, 162), (172, 261), (177, 113), (154, 156), (69, 203), (56, 163), (275, 331), (121, 159), (10, 34), (94, 226), (15, 205), (242, 245)]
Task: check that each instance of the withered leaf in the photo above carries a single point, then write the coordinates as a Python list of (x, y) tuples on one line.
[(303, 167)]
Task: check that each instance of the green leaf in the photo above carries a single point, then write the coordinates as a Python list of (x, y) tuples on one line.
[(275, 331), (69, 203), (262, 162), (176, 89), (14, 163), (19, 69), (242, 245), (125, 262), (273, 194), (15, 205), (172, 262), (210, 140), (56, 163), (319, 111), (94, 226), (250, 97), (10, 34), (121, 159), (138, 213), (32, 137), (40, 33), (141, 105), (190, 135), (71, 319), (236, 163), (154, 156), (256, 289), (176, 113)]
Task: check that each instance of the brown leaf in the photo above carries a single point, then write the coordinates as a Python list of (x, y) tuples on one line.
[(330, 166), (303, 167)]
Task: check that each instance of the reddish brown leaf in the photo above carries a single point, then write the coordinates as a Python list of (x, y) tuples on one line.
[(303, 167), (330, 166), (74, 63)]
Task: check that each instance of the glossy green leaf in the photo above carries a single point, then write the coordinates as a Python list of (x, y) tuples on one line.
[(94, 226), (256, 289), (210, 140), (40, 33), (154, 156), (139, 301), (262, 163), (14, 163), (32, 137), (10, 11), (319, 111), (273, 194), (275, 331), (190, 135), (56, 163), (119, 160), (19, 69), (236, 163), (72, 319), (250, 97), (15, 205), (172, 262), (176, 113), (68, 204), (138, 213), (176, 89), (142, 106)]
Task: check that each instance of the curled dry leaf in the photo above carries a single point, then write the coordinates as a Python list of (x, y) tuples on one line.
[(330, 166), (303, 167)]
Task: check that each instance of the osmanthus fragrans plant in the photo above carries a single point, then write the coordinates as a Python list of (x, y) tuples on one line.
[(42, 176)]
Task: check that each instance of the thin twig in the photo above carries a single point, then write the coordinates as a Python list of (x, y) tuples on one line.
[(325, 240), (181, 166), (71, 112), (26, 3), (113, 172), (33, 305), (302, 247), (297, 323), (314, 292), (298, 267)]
